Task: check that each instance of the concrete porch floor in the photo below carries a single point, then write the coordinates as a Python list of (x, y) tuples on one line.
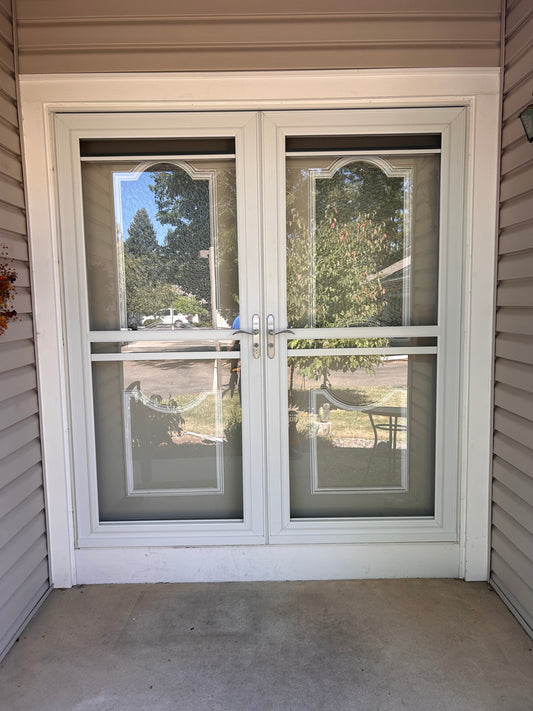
[(416, 645)]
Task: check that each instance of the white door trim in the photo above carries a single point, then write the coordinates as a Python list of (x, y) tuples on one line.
[(478, 91)]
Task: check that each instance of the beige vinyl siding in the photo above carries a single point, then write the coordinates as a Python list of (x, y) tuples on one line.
[(164, 35), (23, 546), (512, 514)]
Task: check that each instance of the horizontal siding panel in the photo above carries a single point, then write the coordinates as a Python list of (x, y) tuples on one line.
[(517, 15), (20, 607), (34, 559), (517, 239), (7, 82), (13, 355), (517, 183), (11, 192), (23, 272), (18, 408), (515, 480), (516, 155), (518, 98), (518, 41), (16, 246), (12, 219), (20, 488), (8, 110), (10, 165), (274, 31), (516, 427), (513, 587), (518, 292), (14, 549), (12, 524), (22, 301), (515, 320), (519, 375), (521, 538), (516, 266), (251, 57), (20, 329), (517, 210), (16, 576), (514, 400), (20, 461), (57, 9), (9, 138), (6, 29), (6, 53), (512, 133), (18, 435), (513, 505), (519, 68), (513, 557), (514, 347), (514, 453)]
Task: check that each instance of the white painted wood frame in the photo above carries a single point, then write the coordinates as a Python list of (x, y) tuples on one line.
[(476, 91)]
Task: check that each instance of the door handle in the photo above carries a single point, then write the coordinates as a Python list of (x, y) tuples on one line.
[(271, 333), (255, 333)]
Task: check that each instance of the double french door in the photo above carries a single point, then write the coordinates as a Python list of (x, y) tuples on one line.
[(263, 318)]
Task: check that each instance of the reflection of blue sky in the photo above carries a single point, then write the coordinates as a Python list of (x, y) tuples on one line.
[(135, 194)]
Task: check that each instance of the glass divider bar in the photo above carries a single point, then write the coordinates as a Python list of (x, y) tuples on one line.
[(394, 350), (166, 355)]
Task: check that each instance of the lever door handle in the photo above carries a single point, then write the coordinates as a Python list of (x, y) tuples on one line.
[(255, 333), (271, 333)]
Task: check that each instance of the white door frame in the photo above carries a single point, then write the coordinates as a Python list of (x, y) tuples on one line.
[(476, 90), (69, 128)]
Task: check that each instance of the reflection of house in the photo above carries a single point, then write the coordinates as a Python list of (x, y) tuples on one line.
[(395, 279), (64, 38)]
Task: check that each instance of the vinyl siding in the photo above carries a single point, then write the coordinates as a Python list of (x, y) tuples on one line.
[(57, 36), (23, 545), (512, 511)]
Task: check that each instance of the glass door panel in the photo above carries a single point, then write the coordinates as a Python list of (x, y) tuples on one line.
[(162, 270), (364, 444), (161, 244), (168, 443), (362, 261), (362, 240)]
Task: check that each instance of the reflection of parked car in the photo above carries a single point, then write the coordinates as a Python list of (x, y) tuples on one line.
[(166, 317)]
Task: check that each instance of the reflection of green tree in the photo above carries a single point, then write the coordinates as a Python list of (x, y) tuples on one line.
[(333, 270), (184, 204), (188, 305), (361, 188), (145, 293), (142, 240)]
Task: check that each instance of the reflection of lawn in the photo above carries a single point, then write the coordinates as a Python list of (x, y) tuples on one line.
[(345, 424), (348, 423), (202, 418)]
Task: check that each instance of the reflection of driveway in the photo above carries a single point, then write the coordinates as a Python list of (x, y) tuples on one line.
[(182, 377), (392, 373), (174, 378)]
